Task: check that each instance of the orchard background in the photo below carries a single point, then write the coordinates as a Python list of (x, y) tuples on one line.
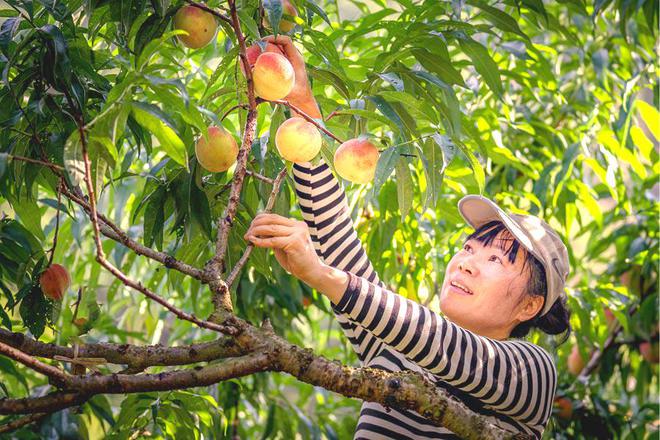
[(547, 107)]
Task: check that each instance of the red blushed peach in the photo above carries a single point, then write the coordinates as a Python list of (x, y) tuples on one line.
[(650, 351), (54, 281), (564, 407), (298, 140), (273, 76), (200, 26), (356, 160), (285, 25), (575, 361), (254, 51), (218, 151)]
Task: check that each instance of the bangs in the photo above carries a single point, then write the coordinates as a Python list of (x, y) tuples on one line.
[(507, 243)]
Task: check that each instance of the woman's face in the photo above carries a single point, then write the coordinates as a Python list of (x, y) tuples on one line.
[(493, 305)]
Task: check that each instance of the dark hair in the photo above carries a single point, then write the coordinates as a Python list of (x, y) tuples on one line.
[(556, 321)]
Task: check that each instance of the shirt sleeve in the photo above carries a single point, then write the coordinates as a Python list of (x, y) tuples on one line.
[(325, 210), (513, 377)]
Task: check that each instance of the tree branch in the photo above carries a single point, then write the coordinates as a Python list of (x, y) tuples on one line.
[(308, 118), (126, 354), (216, 266), (33, 405), (203, 7), (55, 374), (20, 422), (248, 249)]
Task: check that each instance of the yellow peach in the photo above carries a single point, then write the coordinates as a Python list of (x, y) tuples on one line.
[(273, 76), (298, 140), (356, 160), (218, 151), (199, 24)]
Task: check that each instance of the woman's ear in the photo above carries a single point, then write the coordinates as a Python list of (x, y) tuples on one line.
[(530, 306)]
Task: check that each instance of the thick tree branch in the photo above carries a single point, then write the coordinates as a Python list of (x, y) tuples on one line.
[(48, 404), (20, 422), (172, 380), (126, 354), (55, 374), (216, 267)]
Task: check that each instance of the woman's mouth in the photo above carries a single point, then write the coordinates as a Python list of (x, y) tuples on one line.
[(459, 289)]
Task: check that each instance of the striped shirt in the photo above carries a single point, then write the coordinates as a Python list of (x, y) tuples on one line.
[(511, 383)]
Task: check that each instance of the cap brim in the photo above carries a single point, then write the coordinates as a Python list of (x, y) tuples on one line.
[(478, 210)]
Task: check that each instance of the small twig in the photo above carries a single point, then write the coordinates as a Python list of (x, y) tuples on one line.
[(203, 7), (248, 249), (308, 118), (260, 177), (232, 109), (35, 161), (20, 422)]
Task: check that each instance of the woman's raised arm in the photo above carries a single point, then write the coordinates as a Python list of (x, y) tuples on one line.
[(513, 377)]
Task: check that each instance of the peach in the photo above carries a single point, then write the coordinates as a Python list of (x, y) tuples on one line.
[(273, 76), (650, 351), (285, 25), (218, 151), (564, 407), (575, 361), (254, 51), (199, 24), (298, 140), (356, 160), (54, 281)]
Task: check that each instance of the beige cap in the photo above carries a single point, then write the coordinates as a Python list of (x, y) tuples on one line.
[(532, 233)]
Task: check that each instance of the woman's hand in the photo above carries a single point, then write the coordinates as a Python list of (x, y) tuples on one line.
[(291, 243)]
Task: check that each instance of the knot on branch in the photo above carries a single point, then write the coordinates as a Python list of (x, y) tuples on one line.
[(394, 384), (169, 261)]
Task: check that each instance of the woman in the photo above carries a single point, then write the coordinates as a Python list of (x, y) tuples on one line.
[(508, 278)]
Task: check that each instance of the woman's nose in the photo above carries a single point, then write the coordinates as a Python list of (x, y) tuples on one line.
[(464, 265)]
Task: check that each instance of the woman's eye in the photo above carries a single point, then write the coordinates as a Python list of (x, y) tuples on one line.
[(495, 256)]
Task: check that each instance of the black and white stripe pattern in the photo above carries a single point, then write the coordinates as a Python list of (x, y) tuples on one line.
[(511, 382)]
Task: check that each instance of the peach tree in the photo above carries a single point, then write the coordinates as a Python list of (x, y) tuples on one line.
[(137, 147)]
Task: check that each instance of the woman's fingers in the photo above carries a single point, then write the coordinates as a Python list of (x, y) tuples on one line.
[(269, 229), (272, 242), (267, 218)]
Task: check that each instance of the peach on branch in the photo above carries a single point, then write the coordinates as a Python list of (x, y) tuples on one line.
[(356, 160), (217, 151), (273, 76), (650, 351), (54, 281), (575, 361), (564, 407), (253, 52), (298, 140), (285, 25), (199, 24)]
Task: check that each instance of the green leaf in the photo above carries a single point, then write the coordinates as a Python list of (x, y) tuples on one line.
[(404, 187), (73, 159), (499, 18), (391, 114), (34, 310), (150, 117), (651, 117), (4, 158), (484, 64), (154, 218), (441, 67), (478, 170), (386, 163), (273, 9)]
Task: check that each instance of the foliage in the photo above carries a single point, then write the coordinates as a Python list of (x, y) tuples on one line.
[(547, 108)]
